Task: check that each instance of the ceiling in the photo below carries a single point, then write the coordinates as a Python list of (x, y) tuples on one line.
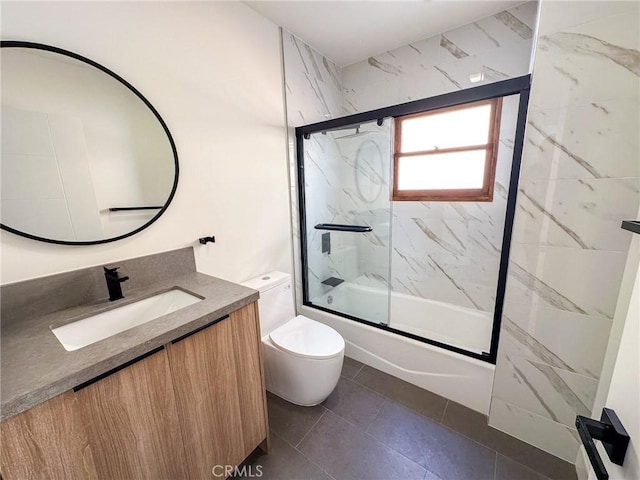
[(350, 31)]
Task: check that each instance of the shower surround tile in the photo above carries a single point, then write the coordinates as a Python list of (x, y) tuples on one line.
[(566, 279), (573, 61), (317, 89), (579, 179), (569, 213), (540, 334), (498, 46), (547, 435), (547, 391), (507, 62), (450, 251), (589, 141), (313, 84)]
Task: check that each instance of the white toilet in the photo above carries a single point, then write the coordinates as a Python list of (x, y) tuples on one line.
[(302, 357)]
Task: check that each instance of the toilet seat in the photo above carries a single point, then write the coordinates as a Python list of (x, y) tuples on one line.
[(307, 338)]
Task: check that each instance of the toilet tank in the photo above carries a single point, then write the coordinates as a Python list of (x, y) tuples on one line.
[(276, 299)]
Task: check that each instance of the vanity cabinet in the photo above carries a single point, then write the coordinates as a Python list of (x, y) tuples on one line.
[(132, 423), (172, 414), (48, 441), (219, 393)]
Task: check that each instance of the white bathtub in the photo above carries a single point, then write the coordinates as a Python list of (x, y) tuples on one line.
[(462, 379)]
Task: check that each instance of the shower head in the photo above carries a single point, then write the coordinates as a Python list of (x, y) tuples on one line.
[(353, 135)]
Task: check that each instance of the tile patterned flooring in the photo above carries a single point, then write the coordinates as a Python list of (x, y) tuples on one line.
[(375, 426)]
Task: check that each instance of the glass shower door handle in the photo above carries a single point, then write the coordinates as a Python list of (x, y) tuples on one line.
[(343, 228)]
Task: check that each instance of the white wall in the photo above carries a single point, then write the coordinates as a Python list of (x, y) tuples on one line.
[(624, 391), (212, 70), (47, 187)]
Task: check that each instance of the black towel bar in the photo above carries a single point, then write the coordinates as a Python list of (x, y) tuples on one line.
[(123, 209), (343, 228)]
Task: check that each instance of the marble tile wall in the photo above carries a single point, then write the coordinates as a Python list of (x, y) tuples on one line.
[(314, 89), (450, 251), (349, 187), (322, 176), (498, 46), (446, 252), (579, 179), (313, 93), (365, 193)]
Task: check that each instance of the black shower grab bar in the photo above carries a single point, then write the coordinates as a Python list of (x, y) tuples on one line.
[(343, 228), (123, 209)]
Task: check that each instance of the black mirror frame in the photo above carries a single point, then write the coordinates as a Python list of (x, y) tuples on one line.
[(49, 48)]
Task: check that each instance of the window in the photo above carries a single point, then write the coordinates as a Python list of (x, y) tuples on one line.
[(447, 154)]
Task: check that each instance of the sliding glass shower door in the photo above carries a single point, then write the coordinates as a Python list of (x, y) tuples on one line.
[(346, 220), (390, 236)]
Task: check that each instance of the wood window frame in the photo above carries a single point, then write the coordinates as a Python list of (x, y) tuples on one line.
[(484, 194)]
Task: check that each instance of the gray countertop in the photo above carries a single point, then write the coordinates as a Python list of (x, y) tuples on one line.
[(36, 367)]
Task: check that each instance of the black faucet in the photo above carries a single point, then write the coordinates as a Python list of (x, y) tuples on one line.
[(113, 283)]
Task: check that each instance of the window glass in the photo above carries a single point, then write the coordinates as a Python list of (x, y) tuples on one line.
[(456, 170), (448, 154), (455, 128)]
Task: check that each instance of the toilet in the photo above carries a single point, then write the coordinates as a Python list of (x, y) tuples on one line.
[(302, 357)]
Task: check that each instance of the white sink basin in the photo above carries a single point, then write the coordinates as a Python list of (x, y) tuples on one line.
[(102, 325)]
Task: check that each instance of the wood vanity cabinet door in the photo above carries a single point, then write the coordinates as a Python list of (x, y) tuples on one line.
[(47, 441), (250, 377), (218, 385), (132, 422)]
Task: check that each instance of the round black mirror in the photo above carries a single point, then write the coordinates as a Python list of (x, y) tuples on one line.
[(85, 158)]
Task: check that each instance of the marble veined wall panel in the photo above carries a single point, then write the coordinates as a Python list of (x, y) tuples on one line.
[(498, 46), (313, 84), (322, 174), (313, 93), (450, 251), (579, 179), (452, 255)]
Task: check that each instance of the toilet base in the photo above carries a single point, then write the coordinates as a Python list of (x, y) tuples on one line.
[(291, 401)]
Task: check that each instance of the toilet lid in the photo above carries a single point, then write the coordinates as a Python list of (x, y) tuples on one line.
[(307, 338)]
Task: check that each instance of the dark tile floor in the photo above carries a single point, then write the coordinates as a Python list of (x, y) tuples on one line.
[(375, 426)]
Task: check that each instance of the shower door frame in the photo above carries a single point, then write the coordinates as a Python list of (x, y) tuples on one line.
[(514, 86)]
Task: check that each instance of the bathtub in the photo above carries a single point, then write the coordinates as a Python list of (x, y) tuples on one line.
[(462, 379)]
